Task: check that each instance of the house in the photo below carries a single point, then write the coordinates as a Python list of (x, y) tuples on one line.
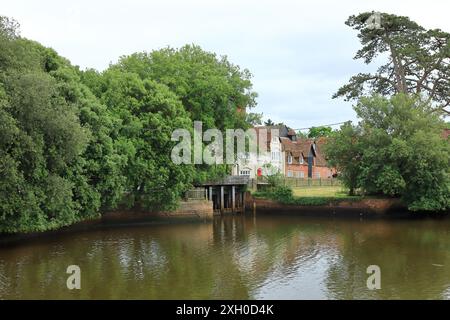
[(304, 158), (291, 156), (254, 165)]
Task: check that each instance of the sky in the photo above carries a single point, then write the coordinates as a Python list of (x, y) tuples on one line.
[(299, 52)]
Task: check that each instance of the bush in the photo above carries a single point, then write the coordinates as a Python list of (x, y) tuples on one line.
[(283, 194)]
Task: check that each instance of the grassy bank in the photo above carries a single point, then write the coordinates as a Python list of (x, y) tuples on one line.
[(323, 191), (307, 196)]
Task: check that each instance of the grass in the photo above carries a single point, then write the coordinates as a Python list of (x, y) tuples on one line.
[(311, 196), (324, 191)]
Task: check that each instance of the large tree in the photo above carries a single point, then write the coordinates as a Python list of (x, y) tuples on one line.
[(417, 60), (147, 114), (41, 140), (397, 149), (211, 88), (65, 154)]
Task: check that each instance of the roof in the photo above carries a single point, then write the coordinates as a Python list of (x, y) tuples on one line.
[(296, 148), (320, 157), (303, 147)]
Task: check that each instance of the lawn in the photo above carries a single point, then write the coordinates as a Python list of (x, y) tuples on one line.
[(323, 191)]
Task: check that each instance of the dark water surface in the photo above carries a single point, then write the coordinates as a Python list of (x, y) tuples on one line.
[(266, 257)]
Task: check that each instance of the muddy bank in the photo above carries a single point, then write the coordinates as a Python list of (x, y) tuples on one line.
[(368, 208)]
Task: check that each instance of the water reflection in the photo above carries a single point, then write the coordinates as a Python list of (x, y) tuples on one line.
[(236, 258)]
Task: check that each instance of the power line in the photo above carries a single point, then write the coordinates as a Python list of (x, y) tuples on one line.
[(324, 125)]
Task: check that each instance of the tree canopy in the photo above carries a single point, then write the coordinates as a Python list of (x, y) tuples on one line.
[(317, 132), (417, 60), (206, 84), (397, 149)]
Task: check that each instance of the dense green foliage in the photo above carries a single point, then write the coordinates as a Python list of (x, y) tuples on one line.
[(397, 149), (207, 86), (44, 177), (74, 143), (211, 89)]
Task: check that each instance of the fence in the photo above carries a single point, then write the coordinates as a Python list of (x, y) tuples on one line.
[(305, 182), (311, 182)]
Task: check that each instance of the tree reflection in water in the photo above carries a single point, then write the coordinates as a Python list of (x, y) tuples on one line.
[(236, 258)]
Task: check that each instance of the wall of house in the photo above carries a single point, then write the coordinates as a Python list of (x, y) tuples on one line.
[(296, 169), (324, 172), (255, 161)]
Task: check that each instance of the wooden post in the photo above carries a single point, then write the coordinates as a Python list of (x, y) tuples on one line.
[(210, 193), (221, 199), (233, 199), (243, 201)]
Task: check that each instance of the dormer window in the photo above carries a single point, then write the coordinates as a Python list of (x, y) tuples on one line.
[(301, 160), (289, 159)]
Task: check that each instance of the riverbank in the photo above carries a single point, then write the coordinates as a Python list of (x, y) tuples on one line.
[(187, 212), (367, 207), (202, 211)]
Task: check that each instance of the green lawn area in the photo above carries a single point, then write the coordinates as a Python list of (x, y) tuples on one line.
[(323, 191)]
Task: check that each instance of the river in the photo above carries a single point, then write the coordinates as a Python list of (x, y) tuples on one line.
[(263, 257)]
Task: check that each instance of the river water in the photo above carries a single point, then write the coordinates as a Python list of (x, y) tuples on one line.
[(263, 257)]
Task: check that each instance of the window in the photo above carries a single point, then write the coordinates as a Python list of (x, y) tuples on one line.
[(289, 174), (302, 174), (275, 139), (275, 155), (289, 159), (317, 175), (245, 172), (301, 160)]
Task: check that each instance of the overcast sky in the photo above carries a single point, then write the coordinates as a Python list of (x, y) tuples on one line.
[(300, 52)]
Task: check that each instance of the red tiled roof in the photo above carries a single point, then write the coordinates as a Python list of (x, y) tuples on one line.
[(296, 148), (303, 147)]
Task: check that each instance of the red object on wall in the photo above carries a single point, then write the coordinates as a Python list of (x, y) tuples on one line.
[(259, 172)]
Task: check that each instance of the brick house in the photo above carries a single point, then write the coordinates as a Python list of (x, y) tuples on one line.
[(304, 158), (287, 154)]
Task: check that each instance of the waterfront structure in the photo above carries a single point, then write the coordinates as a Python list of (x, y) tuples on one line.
[(227, 195)]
